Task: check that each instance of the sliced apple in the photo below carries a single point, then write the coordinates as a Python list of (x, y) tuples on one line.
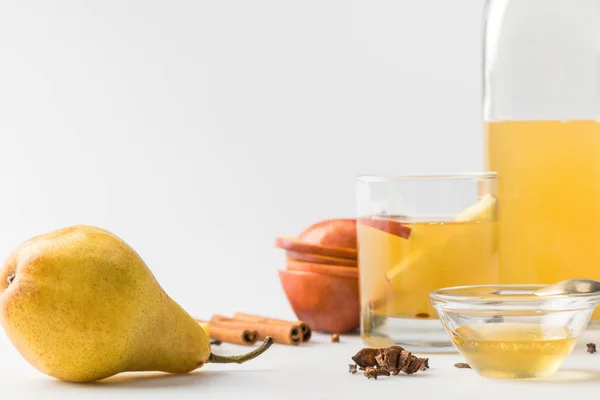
[(336, 270), (387, 225), (315, 258), (293, 244), (484, 210), (331, 232)]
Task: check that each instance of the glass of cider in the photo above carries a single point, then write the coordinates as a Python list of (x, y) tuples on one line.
[(508, 331), (416, 234)]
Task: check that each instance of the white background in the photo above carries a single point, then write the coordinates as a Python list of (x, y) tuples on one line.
[(200, 130)]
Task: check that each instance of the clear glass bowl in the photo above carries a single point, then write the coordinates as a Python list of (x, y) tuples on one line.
[(506, 331)]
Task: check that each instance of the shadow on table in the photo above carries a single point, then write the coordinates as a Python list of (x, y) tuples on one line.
[(567, 376), (152, 380)]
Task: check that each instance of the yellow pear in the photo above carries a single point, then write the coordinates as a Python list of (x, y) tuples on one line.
[(81, 305)]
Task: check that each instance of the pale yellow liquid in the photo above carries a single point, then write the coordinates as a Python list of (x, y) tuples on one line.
[(512, 350), (436, 255), (549, 199)]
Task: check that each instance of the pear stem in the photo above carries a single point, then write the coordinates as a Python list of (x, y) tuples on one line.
[(217, 359)]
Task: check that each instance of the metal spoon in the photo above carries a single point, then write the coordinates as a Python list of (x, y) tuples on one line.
[(571, 286)]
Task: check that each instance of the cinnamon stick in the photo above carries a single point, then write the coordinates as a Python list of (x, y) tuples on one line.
[(230, 334), (281, 333), (306, 330)]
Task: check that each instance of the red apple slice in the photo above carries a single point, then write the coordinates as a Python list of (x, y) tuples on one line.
[(331, 232), (336, 270), (318, 259), (293, 244), (390, 226)]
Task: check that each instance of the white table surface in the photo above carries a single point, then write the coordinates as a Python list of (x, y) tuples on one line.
[(318, 370)]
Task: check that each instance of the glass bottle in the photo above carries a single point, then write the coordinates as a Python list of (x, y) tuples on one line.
[(541, 111)]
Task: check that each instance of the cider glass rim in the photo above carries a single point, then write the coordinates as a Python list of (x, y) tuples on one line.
[(427, 176)]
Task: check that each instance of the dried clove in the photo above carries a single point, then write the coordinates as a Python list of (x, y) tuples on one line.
[(462, 365), (373, 373), (352, 368), (591, 348), (366, 358), (335, 338), (394, 360)]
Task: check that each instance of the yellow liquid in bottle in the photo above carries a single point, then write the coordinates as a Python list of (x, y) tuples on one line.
[(548, 199), (513, 350)]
